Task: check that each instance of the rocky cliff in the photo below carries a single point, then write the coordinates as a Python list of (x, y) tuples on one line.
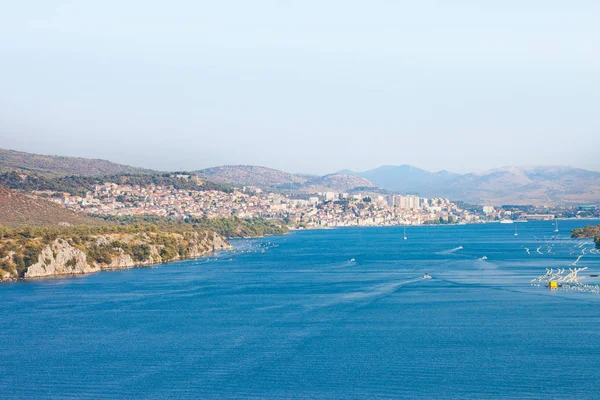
[(61, 258), (81, 255)]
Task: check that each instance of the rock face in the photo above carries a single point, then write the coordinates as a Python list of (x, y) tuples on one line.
[(212, 242), (5, 276), (123, 260), (60, 258)]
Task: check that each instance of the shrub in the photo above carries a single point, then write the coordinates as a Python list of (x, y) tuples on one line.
[(141, 252)]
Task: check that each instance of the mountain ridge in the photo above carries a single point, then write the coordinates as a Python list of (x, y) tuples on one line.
[(271, 179), (49, 165), (529, 184), (536, 185)]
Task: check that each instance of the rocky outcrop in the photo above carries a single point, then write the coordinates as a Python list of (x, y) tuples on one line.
[(5, 276), (87, 254), (211, 242), (60, 258), (120, 261)]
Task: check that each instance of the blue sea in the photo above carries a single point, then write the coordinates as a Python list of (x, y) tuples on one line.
[(294, 317)]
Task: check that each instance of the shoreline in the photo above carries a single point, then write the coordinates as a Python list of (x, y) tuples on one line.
[(214, 251), (138, 266)]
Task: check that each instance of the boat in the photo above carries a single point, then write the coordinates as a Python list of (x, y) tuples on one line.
[(352, 260), (555, 225), (484, 258), (426, 276), (516, 233), (506, 221), (405, 232)]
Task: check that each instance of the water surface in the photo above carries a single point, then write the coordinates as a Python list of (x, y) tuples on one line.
[(294, 317)]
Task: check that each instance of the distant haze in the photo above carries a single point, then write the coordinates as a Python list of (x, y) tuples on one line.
[(303, 86)]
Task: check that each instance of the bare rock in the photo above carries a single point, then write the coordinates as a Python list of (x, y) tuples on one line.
[(60, 258)]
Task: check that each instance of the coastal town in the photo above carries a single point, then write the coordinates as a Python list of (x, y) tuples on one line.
[(325, 209)]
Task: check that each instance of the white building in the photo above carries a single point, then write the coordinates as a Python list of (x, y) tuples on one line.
[(408, 202), (329, 196)]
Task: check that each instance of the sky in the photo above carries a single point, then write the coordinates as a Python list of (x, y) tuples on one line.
[(303, 86)]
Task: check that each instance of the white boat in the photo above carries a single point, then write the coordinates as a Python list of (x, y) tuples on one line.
[(426, 276), (556, 225), (405, 232)]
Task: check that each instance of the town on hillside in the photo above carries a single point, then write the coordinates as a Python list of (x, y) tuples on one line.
[(325, 209)]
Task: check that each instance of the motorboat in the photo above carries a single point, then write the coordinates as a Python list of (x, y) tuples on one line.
[(426, 276)]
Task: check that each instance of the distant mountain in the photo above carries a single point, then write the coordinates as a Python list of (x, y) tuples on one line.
[(272, 179), (17, 209), (406, 178), (11, 160), (552, 185), (539, 185)]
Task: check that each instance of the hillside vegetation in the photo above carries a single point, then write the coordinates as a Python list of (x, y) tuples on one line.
[(37, 252), (78, 185), (588, 232), (249, 175), (45, 165), (229, 227), (17, 209)]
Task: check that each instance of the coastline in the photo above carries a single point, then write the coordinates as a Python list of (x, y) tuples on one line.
[(222, 244), (66, 255)]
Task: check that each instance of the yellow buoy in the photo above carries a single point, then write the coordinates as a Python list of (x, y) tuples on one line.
[(553, 285)]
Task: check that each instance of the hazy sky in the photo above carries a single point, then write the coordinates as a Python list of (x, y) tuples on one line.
[(304, 86)]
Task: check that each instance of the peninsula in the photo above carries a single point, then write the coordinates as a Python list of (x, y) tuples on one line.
[(589, 231)]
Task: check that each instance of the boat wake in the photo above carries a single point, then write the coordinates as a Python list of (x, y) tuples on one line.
[(454, 250), (372, 292)]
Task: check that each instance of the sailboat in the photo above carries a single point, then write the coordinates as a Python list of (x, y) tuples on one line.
[(555, 225), (516, 233), (405, 232)]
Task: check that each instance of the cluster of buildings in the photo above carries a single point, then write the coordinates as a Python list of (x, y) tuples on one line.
[(328, 209), (538, 213)]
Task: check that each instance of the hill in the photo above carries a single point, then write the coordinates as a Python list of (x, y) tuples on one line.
[(17, 209), (338, 183), (540, 185), (553, 185), (249, 175), (80, 184), (53, 166), (406, 179), (272, 179)]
